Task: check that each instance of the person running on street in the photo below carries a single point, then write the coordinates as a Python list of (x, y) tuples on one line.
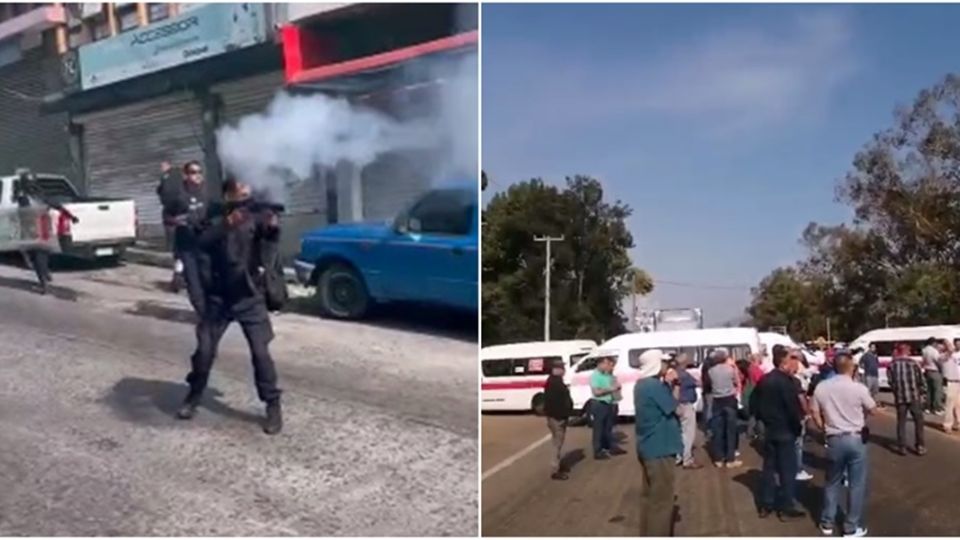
[(687, 409), (839, 407), (909, 393), (558, 406), (658, 441), (951, 376), (605, 389), (779, 409)]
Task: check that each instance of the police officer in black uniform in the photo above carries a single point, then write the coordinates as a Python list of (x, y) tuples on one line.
[(229, 245), (185, 207)]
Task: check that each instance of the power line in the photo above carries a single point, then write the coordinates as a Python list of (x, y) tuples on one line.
[(703, 285)]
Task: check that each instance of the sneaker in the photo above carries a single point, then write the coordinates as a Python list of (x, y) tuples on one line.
[(921, 450), (736, 453), (189, 408), (603, 455), (718, 464), (734, 464), (901, 450), (274, 422), (617, 452), (826, 530), (804, 476), (559, 476), (763, 513), (861, 531)]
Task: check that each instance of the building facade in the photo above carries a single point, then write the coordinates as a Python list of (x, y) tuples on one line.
[(30, 70), (116, 89)]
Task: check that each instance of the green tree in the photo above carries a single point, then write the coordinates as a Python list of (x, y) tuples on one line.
[(899, 260), (591, 272)]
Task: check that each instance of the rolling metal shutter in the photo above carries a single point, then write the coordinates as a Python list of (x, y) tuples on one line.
[(124, 146), (252, 95), (27, 138), (393, 181)]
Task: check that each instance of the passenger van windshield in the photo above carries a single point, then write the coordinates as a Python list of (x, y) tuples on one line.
[(513, 367)]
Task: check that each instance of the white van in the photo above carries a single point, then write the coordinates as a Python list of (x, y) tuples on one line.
[(915, 336), (770, 339), (513, 375), (626, 350)]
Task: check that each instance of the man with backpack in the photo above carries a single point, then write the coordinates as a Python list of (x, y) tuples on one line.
[(242, 281)]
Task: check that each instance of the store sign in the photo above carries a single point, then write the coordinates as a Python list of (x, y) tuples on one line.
[(195, 35)]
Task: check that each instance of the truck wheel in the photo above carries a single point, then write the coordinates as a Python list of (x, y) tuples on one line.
[(342, 293)]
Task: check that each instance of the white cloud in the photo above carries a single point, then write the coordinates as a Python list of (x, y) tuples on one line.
[(734, 79), (753, 77)]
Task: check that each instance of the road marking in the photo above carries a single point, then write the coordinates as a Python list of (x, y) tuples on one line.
[(513, 459)]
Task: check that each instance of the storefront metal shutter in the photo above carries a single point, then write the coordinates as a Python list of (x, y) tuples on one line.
[(252, 95), (392, 182), (27, 138), (124, 146)]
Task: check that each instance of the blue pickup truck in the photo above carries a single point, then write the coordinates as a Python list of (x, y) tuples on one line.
[(427, 255)]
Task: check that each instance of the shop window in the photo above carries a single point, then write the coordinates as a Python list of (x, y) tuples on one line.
[(158, 12), (79, 35), (127, 18), (99, 27)]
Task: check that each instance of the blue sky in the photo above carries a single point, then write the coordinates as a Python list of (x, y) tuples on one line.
[(725, 128)]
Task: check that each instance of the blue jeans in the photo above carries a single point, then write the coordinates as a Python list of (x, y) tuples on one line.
[(779, 460), (803, 433), (603, 418), (725, 428), (848, 456)]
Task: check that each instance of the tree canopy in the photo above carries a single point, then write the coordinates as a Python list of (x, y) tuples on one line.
[(591, 272), (898, 261)]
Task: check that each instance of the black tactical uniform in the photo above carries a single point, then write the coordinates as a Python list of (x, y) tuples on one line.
[(184, 209), (229, 270)]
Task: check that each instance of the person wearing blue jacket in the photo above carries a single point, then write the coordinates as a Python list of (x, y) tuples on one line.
[(658, 441)]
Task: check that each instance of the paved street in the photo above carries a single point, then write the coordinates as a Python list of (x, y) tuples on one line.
[(908, 496), (380, 435)]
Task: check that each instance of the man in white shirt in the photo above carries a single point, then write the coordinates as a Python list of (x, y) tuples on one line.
[(951, 377), (839, 407)]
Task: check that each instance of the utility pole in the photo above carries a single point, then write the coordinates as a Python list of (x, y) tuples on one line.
[(546, 306), (828, 330)]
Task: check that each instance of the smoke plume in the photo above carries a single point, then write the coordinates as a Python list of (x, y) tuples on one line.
[(281, 147)]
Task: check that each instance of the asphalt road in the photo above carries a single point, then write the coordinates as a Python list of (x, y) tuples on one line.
[(89, 445), (908, 496)]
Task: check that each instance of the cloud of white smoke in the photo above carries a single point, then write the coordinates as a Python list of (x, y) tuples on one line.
[(281, 147)]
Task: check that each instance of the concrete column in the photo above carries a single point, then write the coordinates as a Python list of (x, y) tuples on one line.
[(349, 192)]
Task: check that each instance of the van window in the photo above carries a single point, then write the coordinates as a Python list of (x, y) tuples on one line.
[(885, 348), (669, 352), (512, 367), (576, 358), (738, 352), (591, 363)]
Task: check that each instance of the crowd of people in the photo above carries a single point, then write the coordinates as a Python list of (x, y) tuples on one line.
[(772, 402)]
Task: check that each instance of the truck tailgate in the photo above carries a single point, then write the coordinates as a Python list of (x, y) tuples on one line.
[(101, 221)]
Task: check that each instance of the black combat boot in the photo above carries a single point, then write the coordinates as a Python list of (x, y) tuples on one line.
[(274, 422), (189, 408)]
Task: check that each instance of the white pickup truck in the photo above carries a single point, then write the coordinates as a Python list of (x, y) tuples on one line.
[(104, 227)]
